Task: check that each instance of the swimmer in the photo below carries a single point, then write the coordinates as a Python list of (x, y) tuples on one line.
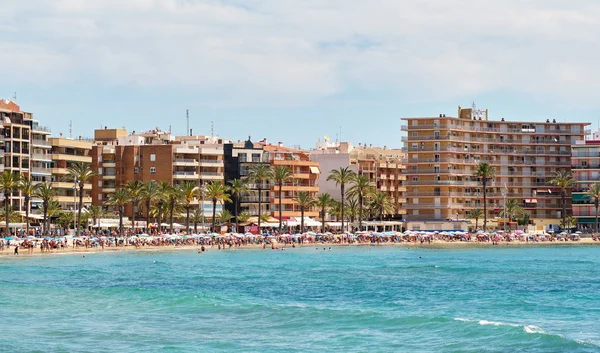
[(330, 248)]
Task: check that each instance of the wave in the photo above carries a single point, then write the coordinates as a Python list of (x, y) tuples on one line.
[(526, 328)]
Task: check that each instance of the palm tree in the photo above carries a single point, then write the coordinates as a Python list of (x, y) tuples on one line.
[(352, 209), (150, 193), (8, 183), (189, 191), (594, 195), (342, 177), (217, 192), (513, 210), (46, 192), (174, 196), (225, 216), (13, 215), (243, 217), (361, 188), (81, 173), (96, 212), (563, 179), (134, 188), (281, 175), (28, 188), (303, 200), (258, 174), (475, 214), (164, 190), (484, 173), (381, 204), (197, 216), (568, 222), (119, 199), (323, 202), (52, 210), (237, 188)]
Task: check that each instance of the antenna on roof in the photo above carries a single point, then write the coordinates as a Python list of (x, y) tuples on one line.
[(187, 118), (70, 127), (15, 97), (212, 128)]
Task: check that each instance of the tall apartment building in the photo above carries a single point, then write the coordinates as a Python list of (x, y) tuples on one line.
[(26, 149), (239, 158), (66, 152), (382, 166), (305, 176), (585, 165), (443, 153), (118, 158)]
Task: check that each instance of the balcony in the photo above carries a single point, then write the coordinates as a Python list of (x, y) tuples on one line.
[(109, 163), (41, 157), (108, 188), (211, 176), (109, 176), (185, 175), (42, 129), (41, 171), (41, 143), (211, 163), (185, 162)]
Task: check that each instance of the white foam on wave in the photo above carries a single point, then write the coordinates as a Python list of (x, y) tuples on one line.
[(526, 328)]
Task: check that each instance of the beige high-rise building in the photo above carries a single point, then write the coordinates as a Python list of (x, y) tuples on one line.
[(66, 152), (443, 153)]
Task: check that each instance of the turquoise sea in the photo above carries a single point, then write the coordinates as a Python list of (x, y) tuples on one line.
[(350, 299)]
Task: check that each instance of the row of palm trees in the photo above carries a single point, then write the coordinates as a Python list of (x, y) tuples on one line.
[(562, 179)]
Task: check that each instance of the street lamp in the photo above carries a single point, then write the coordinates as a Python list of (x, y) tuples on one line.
[(504, 193)]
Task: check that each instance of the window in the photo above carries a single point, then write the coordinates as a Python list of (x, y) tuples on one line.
[(152, 157), (99, 183), (415, 134), (99, 197), (415, 213), (99, 171), (136, 170), (415, 179), (152, 170)]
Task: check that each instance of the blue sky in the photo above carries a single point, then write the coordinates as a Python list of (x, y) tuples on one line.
[(294, 71)]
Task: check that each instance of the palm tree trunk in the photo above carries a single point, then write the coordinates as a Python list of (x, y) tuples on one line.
[(80, 207), (477, 223), (342, 187), (121, 222), (280, 207), (45, 228), (302, 220), (27, 215), (148, 217), (132, 216), (564, 206), (237, 222), (160, 217), (597, 205), (187, 219), (360, 210), (214, 215), (323, 219), (171, 209), (6, 206), (259, 206), (484, 183)]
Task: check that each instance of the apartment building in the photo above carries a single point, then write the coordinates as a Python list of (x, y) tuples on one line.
[(585, 165), (239, 158), (156, 155), (305, 176), (443, 153), (383, 167), (66, 152), (26, 149)]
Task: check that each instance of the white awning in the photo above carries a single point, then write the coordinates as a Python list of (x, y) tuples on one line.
[(315, 170)]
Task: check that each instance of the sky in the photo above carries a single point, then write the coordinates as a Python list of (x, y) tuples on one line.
[(293, 71)]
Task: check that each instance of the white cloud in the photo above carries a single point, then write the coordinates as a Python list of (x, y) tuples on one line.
[(291, 51)]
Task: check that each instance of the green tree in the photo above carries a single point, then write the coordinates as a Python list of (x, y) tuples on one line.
[(475, 214), (352, 209), (563, 179), (189, 192), (381, 204), (225, 216), (197, 217), (484, 174), (162, 200), (28, 189), (360, 188), (243, 217), (135, 189), (513, 210), (47, 193), (281, 175), (342, 177), (8, 183), (593, 193), (216, 191), (149, 194), (323, 202), (95, 212), (260, 174), (237, 188), (305, 201), (118, 200), (80, 173), (174, 198)]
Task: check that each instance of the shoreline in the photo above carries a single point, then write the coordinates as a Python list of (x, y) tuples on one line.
[(8, 253)]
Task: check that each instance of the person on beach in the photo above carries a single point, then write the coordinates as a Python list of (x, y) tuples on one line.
[(17, 249)]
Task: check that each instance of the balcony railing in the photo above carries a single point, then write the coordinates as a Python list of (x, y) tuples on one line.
[(39, 142)]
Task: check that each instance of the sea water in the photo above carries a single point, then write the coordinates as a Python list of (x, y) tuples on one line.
[(349, 299)]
